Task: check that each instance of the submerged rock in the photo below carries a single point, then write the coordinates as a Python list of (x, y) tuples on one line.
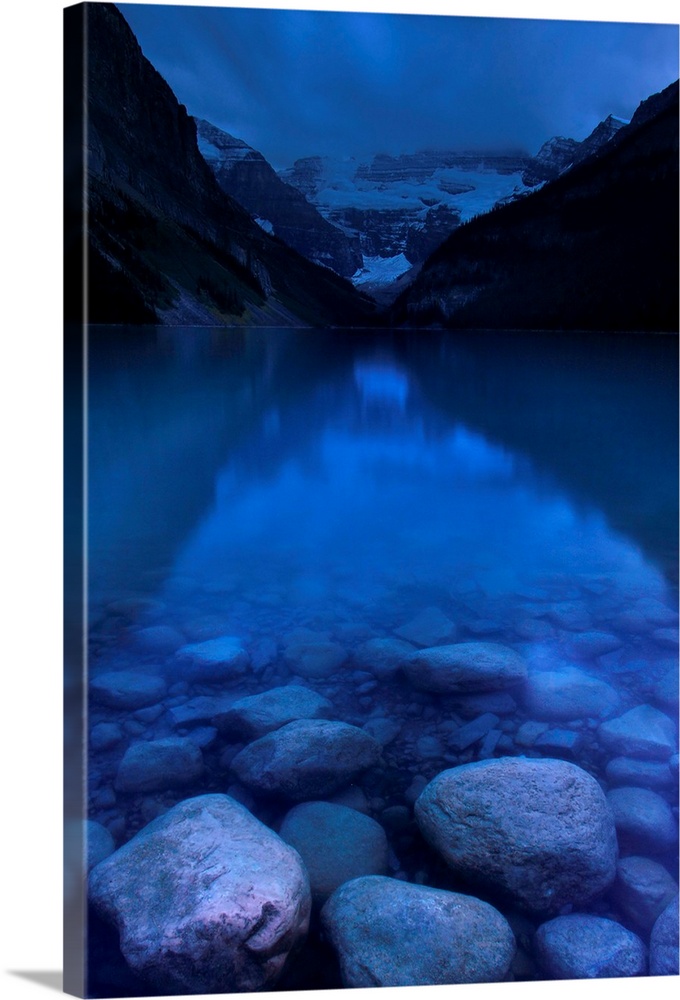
[(158, 639), (392, 933), (589, 645), (569, 694), (306, 759), (465, 667), (539, 831), (336, 844), (155, 765), (644, 821), (126, 689), (429, 628), (663, 943), (643, 732), (579, 946), (382, 657), (259, 714), (99, 843), (643, 889), (315, 659), (205, 899), (641, 773), (218, 659)]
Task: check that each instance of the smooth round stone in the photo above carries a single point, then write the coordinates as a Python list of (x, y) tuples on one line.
[(666, 690), (538, 831), (387, 932), (382, 657), (589, 645), (383, 730), (306, 759), (259, 714), (336, 844), (105, 735), (640, 773), (429, 628), (127, 689), (656, 611), (465, 667), (663, 943), (218, 659), (643, 732), (644, 821), (569, 694), (205, 899), (643, 889), (157, 765), (570, 615), (99, 843), (158, 639), (315, 659), (579, 946), (667, 638)]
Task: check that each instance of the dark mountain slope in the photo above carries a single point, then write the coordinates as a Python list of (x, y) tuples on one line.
[(597, 248), (166, 244), (244, 174)]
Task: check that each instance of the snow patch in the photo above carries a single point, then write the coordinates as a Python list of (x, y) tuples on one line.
[(381, 270), (264, 224)]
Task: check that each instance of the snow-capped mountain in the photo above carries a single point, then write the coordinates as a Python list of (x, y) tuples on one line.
[(278, 208), (401, 208), (559, 154)]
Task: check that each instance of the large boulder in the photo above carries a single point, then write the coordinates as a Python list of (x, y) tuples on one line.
[(569, 693), (643, 732), (126, 689), (465, 667), (205, 899), (336, 844), (539, 831), (579, 946), (306, 759), (157, 765), (663, 943), (392, 933), (259, 714)]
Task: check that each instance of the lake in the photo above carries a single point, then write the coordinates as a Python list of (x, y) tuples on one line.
[(336, 501)]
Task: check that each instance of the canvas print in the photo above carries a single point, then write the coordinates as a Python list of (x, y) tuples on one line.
[(371, 565)]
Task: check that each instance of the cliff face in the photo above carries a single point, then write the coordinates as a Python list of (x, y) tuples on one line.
[(597, 248), (166, 244), (243, 173)]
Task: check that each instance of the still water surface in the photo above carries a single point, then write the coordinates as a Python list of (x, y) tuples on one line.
[(438, 487)]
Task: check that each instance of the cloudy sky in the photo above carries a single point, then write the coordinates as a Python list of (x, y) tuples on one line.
[(299, 83)]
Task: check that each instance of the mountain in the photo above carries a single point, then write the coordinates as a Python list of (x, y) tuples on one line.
[(596, 248), (558, 153), (165, 243), (401, 208), (278, 208)]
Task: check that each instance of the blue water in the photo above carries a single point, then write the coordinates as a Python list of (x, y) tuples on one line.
[(251, 483)]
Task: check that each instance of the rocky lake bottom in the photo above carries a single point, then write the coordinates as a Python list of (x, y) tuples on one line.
[(392, 735)]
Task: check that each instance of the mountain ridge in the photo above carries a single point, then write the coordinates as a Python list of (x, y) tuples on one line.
[(596, 248)]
